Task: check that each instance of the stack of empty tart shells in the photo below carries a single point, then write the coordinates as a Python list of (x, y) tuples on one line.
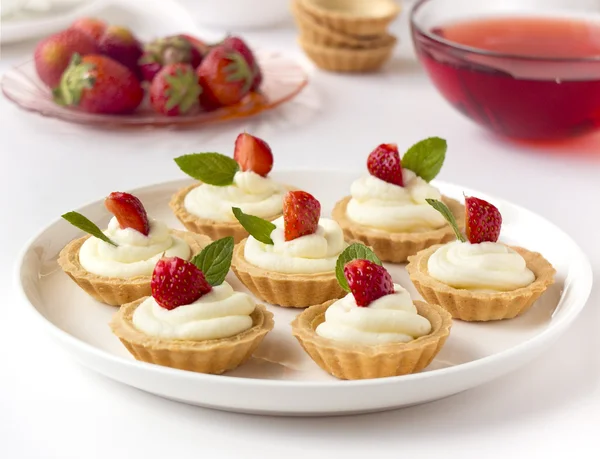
[(346, 35)]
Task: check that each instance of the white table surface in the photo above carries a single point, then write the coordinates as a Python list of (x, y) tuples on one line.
[(50, 407)]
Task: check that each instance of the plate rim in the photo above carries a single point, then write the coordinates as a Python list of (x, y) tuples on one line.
[(546, 336)]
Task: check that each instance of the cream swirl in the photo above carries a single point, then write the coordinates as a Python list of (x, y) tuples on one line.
[(389, 319), (313, 253), (254, 194), (485, 266), (221, 313), (382, 205), (135, 254)]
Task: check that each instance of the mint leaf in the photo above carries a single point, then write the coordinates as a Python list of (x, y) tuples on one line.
[(354, 251), (215, 259), (211, 168), (425, 158), (257, 227), (83, 223), (447, 214)]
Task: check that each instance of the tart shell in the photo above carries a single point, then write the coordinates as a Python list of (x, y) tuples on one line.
[(481, 306), (209, 356), (287, 290), (114, 290), (358, 361), (397, 247)]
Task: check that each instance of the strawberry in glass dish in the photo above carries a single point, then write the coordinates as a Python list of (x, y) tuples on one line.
[(239, 45), (120, 44), (177, 49), (174, 91), (94, 27)]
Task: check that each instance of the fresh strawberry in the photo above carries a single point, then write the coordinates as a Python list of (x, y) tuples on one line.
[(225, 77), (98, 84), (367, 281), (253, 154), (53, 54), (201, 46), (129, 211), (169, 50), (176, 282), (94, 27), (239, 45), (483, 221), (384, 163), (175, 90), (120, 44), (301, 212)]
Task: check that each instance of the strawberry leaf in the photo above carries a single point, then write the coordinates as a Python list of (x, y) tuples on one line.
[(447, 214), (214, 260), (211, 168), (258, 228), (84, 224), (425, 158), (354, 251)]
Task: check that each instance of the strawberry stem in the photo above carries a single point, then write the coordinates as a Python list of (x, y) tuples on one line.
[(77, 77), (447, 214)]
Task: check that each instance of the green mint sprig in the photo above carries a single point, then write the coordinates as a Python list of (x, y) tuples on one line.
[(447, 214), (211, 168), (354, 251), (215, 260), (426, 158), (257, 227), (84, 224)]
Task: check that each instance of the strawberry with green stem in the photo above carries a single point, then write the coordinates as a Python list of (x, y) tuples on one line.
[(178, 49), (175, 90)]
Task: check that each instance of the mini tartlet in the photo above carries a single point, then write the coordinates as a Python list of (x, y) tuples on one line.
[(388, 211), (480, 290), (404, 341), (175, 328), (290, 262), (205, 207), (116, 290)]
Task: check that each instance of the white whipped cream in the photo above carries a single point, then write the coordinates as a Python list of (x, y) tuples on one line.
[(135, 254), (221, 313), (389, 319), (254, 194), (382, 205), (485, 266), (313, 253)]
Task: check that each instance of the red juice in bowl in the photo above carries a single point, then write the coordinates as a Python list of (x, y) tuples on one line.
[(526, 77)]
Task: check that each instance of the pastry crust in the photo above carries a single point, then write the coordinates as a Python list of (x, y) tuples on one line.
[(213, 356), (480, 306), (114, 290), (397, 247), (359, 361), (288, 290), (212, 228)]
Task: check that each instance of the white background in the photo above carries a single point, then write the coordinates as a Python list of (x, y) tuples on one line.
[(52, 408)]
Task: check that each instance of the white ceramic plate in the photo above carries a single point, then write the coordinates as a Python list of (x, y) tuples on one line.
[(281, 379)]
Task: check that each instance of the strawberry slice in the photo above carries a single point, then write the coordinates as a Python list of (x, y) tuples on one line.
[(301, 212), (483, 221), (384, 163), (367, 281), (253, 154), (176, 282), (129, 211)]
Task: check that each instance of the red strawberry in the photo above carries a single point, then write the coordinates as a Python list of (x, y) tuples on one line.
[(483, 221), (253, 154), (94, 27), (175, 90), (97, 84), (202, 47), (129, 211), (120, 44), (367, 281), (176, 282), (301, 212), (384, 163), (225, 77), (241, 47), (169, 50), (53, 54)]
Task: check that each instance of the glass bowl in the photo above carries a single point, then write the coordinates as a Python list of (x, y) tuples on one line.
[(283, 79), (536, 90)]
